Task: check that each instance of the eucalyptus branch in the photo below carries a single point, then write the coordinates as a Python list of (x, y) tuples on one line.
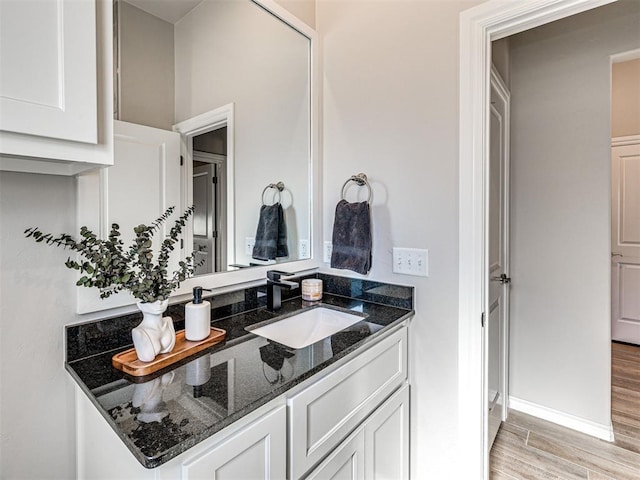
[(107, 265)]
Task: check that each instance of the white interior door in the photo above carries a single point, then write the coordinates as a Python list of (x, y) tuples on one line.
[(625, 240), (143, 182), (496, 324)]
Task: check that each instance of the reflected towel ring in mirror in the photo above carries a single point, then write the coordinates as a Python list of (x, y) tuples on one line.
[(279, 187), (361, 180)]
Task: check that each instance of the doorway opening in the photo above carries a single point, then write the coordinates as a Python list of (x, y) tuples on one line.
[(479, 26), (209, 199), (208, 180), (625, 197)]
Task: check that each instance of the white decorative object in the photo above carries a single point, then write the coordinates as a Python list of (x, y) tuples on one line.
[(156, 333), (197, 317), (148, 398)]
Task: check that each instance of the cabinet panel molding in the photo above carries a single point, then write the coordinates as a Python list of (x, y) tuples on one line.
[(322, 415), (257, 451)]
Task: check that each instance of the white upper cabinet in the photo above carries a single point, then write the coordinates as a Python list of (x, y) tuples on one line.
[(56, 94)]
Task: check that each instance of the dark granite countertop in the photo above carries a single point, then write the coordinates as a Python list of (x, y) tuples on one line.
[(164, 414)]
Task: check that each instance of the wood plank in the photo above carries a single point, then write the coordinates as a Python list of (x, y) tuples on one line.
[(553, 430), (626, 401), (498, 475), (614, 461), (625, 348), (599, 476), (625, 424), (512, 440), (512, 465), (628, 442)]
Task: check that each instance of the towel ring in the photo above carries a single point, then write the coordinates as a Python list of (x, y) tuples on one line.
[(361, 180), (278, 186)]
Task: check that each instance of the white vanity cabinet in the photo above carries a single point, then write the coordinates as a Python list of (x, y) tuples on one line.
[(56, 94), (253, 447), (256, 452), (379, 449), (349, 421), (323, 414)]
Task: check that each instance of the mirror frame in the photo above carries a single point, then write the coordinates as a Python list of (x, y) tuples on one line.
[(218, 281)]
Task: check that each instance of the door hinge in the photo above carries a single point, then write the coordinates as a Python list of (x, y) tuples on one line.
[(214, 180), (181, 160), (181, 243), (482, 320), (215, 234)]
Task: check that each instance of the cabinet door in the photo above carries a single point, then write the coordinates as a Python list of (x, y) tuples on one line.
[(256, 452), (345, 463), (386, 437), (48, 75), (323, 414), (143, 182), (56, 87)]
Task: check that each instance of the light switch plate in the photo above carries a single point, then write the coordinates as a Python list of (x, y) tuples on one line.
[(411, 261), (303, 248), (326, 252), (248, 245)]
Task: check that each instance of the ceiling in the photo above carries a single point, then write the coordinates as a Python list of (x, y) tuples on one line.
[(169, 10)]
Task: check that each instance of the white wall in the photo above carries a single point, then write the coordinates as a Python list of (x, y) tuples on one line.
[(223, 56), (37, 297), (560, 264), (305, 10), (146, 68), (390, 110)]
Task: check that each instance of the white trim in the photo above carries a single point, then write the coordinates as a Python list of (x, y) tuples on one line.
[(621, 141), (626, 56), (480, 25), (603, 432)]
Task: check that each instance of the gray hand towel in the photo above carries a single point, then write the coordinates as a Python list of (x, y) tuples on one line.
[(271, 235), (352, 237)]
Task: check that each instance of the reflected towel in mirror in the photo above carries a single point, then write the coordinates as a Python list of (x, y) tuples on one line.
[(271, 235), (352, 237)]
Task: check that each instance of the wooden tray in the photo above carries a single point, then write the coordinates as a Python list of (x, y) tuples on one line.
[(128, 362)]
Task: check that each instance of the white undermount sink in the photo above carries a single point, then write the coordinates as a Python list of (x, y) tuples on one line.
[(307, 327)]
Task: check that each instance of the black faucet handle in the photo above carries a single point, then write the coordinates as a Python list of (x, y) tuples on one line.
[(274, 275)]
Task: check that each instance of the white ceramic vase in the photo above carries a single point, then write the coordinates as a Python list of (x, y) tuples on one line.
[(156, 334)]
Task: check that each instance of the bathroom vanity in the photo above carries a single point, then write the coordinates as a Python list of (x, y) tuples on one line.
[(249, 407)]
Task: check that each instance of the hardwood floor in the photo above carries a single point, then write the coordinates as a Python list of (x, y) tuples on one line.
[(529, 448)]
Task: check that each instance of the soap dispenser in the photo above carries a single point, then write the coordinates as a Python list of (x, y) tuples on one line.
[(197, 317)]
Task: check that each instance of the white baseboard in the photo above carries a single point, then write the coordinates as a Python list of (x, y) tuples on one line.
[(604, 432)]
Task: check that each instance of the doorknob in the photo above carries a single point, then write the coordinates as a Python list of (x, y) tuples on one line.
[(616, 254), (502, 279)]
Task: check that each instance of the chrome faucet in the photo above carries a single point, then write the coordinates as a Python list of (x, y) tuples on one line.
[(274, 288)]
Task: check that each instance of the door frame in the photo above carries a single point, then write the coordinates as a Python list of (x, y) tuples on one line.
[(213, 120), (479, 26)]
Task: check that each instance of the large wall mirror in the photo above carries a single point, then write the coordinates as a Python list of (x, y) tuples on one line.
[(234, 80)]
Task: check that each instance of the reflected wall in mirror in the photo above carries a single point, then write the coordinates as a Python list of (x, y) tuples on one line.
[(180, 60)]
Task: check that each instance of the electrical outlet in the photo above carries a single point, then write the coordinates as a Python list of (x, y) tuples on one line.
[(248, 245), (326, 252), (411, 261), (303, 248)]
